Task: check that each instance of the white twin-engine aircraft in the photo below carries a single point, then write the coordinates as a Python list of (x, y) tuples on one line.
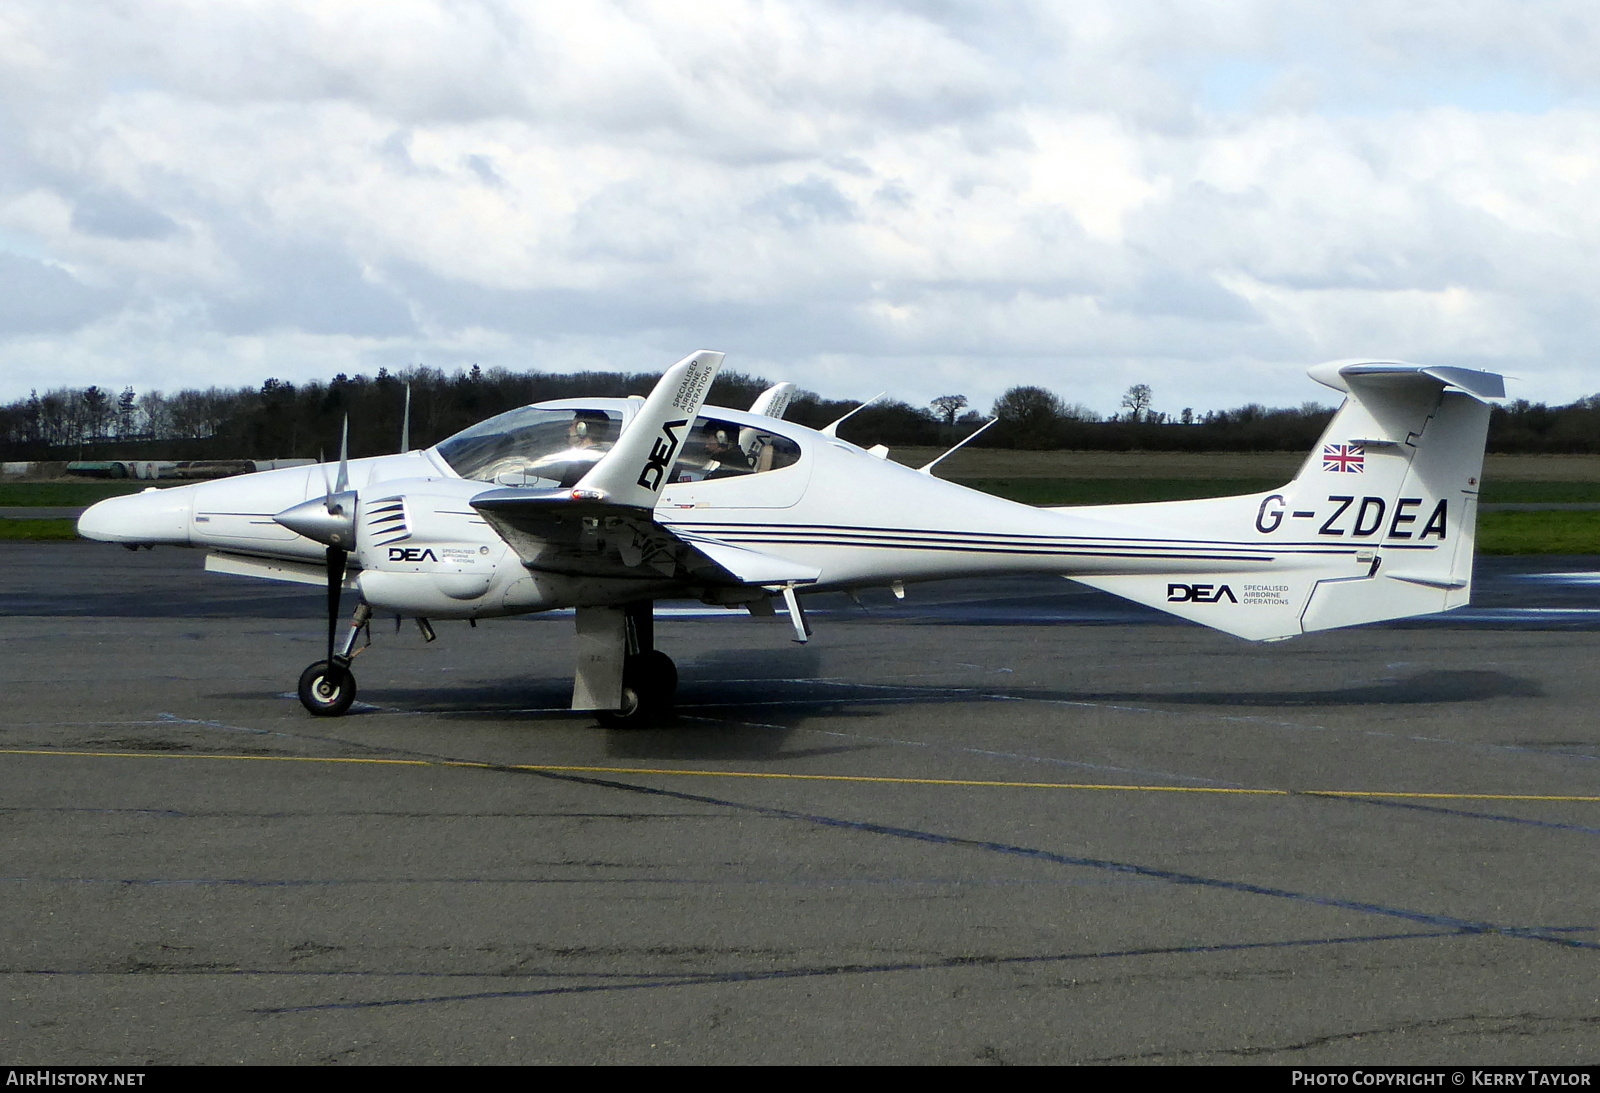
[(608, 505)]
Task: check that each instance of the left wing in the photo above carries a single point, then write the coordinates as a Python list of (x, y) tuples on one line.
[(640, 463)]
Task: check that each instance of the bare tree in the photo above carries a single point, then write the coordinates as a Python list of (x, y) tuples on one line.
[(199, 414), (156, 410), (948, 406), (1137, 402)]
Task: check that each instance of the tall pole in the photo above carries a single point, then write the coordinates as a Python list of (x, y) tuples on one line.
[(405, 424)]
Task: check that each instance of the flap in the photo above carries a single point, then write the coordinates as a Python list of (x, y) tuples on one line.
[(752, 566)]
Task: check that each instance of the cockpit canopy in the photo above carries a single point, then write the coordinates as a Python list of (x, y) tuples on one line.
[(533, 446), (552, 447)]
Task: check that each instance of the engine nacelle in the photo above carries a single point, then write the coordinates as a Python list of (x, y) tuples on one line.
[(425, 551)]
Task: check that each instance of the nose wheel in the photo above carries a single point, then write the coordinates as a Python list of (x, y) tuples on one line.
[(328, 687), (326, 690)]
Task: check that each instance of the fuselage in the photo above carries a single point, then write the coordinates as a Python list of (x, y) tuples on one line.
[(610, 503), (859, 519)]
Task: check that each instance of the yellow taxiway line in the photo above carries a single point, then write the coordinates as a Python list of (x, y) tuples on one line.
[(772, 776)]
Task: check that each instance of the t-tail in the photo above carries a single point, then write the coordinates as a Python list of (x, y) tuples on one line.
[(1379, 523)]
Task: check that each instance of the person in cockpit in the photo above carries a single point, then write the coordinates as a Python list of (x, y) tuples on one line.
[(588, 438), (723, 456)]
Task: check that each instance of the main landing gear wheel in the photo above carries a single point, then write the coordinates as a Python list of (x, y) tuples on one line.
[(327, 691), (649, 680)]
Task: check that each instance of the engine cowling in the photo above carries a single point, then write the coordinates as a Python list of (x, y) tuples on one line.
[(424, 551)]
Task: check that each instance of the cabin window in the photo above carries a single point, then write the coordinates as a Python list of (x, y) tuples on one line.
[(722, 449), (533, 447)]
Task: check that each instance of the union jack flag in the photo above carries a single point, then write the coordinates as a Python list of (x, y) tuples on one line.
[(1343, 458)]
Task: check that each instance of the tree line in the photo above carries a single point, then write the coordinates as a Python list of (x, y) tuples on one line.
[(281, 419)]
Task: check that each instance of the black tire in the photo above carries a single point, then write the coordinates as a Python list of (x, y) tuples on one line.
[(656, 675), (649, 680), (635, 714), (326, 692)]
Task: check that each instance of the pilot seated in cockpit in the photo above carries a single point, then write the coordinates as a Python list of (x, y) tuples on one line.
[(588, 438), (720, 452)]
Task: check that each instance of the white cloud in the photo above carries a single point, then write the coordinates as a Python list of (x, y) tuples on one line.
[(1204, 198)]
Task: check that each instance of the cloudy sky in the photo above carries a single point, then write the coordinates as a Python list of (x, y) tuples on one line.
[(925, 197)]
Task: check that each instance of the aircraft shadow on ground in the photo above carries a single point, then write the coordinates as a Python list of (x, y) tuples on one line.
[(1419, 689), (736, 704), (746, 705)]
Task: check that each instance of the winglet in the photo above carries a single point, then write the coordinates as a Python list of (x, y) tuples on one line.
[(641, 462), (774, 400)]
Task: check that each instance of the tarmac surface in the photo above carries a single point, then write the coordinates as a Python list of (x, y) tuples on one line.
[(1001, 822)]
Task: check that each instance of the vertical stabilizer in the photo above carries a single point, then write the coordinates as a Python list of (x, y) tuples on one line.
[(1378, 524), (1418, 510)]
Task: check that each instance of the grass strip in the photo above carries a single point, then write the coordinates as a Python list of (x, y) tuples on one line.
[(38, 530), (1029, 490), (64, 494), (1119, 491), (1539, 493), (1539, 533), (1498, 532)]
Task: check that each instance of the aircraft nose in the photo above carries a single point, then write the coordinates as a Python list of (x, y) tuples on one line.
[(154, 516)]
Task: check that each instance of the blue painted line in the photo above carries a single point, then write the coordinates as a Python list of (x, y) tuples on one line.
[(1497, 817), (1171, 876), (168, 813), (791, 882), (954, 962)]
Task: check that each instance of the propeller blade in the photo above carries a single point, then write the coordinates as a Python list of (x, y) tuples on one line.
[(336, 561)]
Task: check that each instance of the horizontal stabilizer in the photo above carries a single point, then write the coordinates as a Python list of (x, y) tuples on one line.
[(1341, 375)]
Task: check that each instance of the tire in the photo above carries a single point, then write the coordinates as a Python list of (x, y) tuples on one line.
[(325, 692), (635, 714), (656, 674), (649, 680)]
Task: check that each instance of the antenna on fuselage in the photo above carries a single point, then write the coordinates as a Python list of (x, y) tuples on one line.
[(833, 430), (927, 468)]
